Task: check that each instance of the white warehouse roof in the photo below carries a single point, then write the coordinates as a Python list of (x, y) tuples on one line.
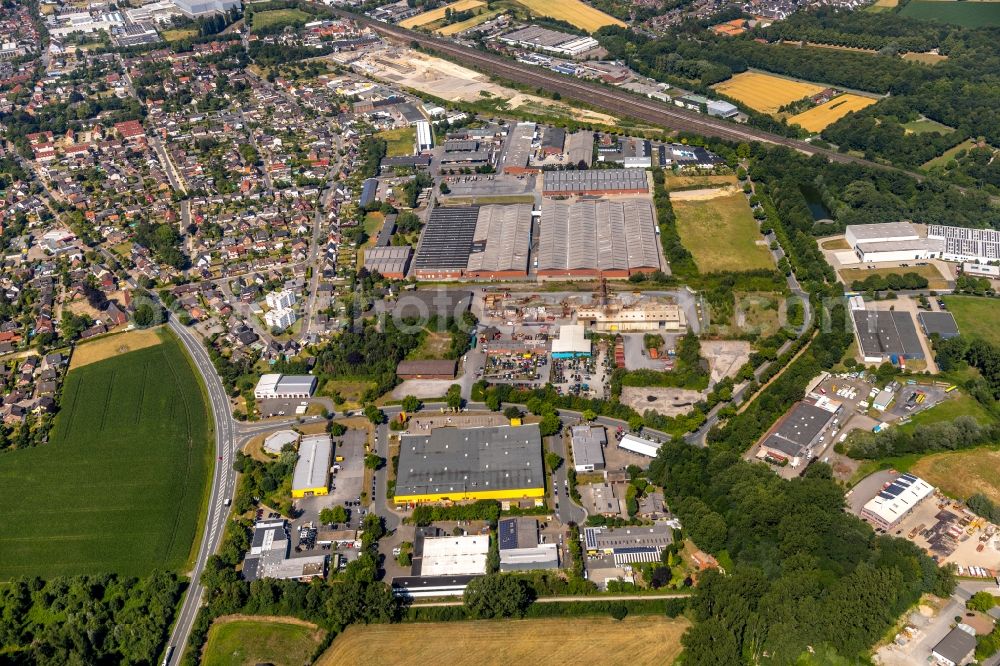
[(572, 340), (639, 445), (313, 463), (893, 501), (455, 555)]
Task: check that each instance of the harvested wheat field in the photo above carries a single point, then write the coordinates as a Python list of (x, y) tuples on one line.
[(580, 14), (634, 641), (765, 92), (113, 345), (438, 14), (820, 117)]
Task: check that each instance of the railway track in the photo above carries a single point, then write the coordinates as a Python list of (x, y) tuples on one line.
[(610, 100)]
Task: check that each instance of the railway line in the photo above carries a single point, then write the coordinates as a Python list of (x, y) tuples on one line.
[(610, 100)]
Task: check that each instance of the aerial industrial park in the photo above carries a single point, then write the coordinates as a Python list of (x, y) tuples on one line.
[(400, 332)]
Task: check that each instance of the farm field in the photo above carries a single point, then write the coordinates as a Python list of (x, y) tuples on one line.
[(481, 17), (947, 155), (438, 14), (399, 141), (271, 17), (721, 233), (967, 14), (925, 126), (820, 117), (925, 58), (634, 641), (962, 473), (934, 278), (765, 92), (113, 345), (976, 316), (576, 12), (121, 484), (677, 183), (243, 640)]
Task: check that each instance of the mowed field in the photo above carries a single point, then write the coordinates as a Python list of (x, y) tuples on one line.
[(244, 641), (399, 141), (721, 234), (634, 641), (976, 316), (963, 473), (575, 12), (108, 346), (967, 14), (121, 483), (934, 278), (820, 117), (482, 17), (438, 14), (765, 92)]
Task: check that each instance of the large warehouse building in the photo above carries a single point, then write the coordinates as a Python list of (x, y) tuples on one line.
[(895, 501), (459, 464), (310, 476), (489, 242), (891, 241), (886, 334), (961, 244), (595, 182), (795, 435), (597, 238), (284, 387)]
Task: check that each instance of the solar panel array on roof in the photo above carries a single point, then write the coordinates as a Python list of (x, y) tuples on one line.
[(978, 244), (597, 235), (447, 239), (595, 180), (897, 487), (882, 333)]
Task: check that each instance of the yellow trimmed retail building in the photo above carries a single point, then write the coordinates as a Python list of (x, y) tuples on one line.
[(467, 464)]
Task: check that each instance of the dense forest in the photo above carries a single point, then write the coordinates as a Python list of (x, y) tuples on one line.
[(805, 575), (100, 619)]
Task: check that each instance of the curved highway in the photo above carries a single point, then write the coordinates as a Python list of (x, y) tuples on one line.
[(223, 487)]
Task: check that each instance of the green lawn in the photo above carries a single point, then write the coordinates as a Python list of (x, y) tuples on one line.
[(400, 141), (947, 155), (120, 486), (967, 14), (948, 410), (260, 641), (280, 17), (925, 126), (976, 316), (721, 234)]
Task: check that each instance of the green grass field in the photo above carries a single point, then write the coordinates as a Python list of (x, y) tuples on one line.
[(967, 14), (721, 234), (925, 126), (399, 142), (949, 410), (260, 641), (947, 155), (120, 486), (280, 17), (976, 316)]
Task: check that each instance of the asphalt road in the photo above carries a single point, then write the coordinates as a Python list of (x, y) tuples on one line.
[(223, 485)]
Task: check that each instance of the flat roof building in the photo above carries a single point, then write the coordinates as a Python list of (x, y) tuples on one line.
[(426, 369), (895, 501), (594, 181), (268, 556), (520, 548), (884, 334), (518, 149), (199, 8), (597, 239), (459, 464), (312, 467), (644, 447), (284, 387), (640, 317), (475, 241), (572, 342), (629, 545), (957, 647), (391, 261), (981, 270), (451, 555), (938, 323), (588, 444), (882, 232), (963, 244), (795, 434)]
